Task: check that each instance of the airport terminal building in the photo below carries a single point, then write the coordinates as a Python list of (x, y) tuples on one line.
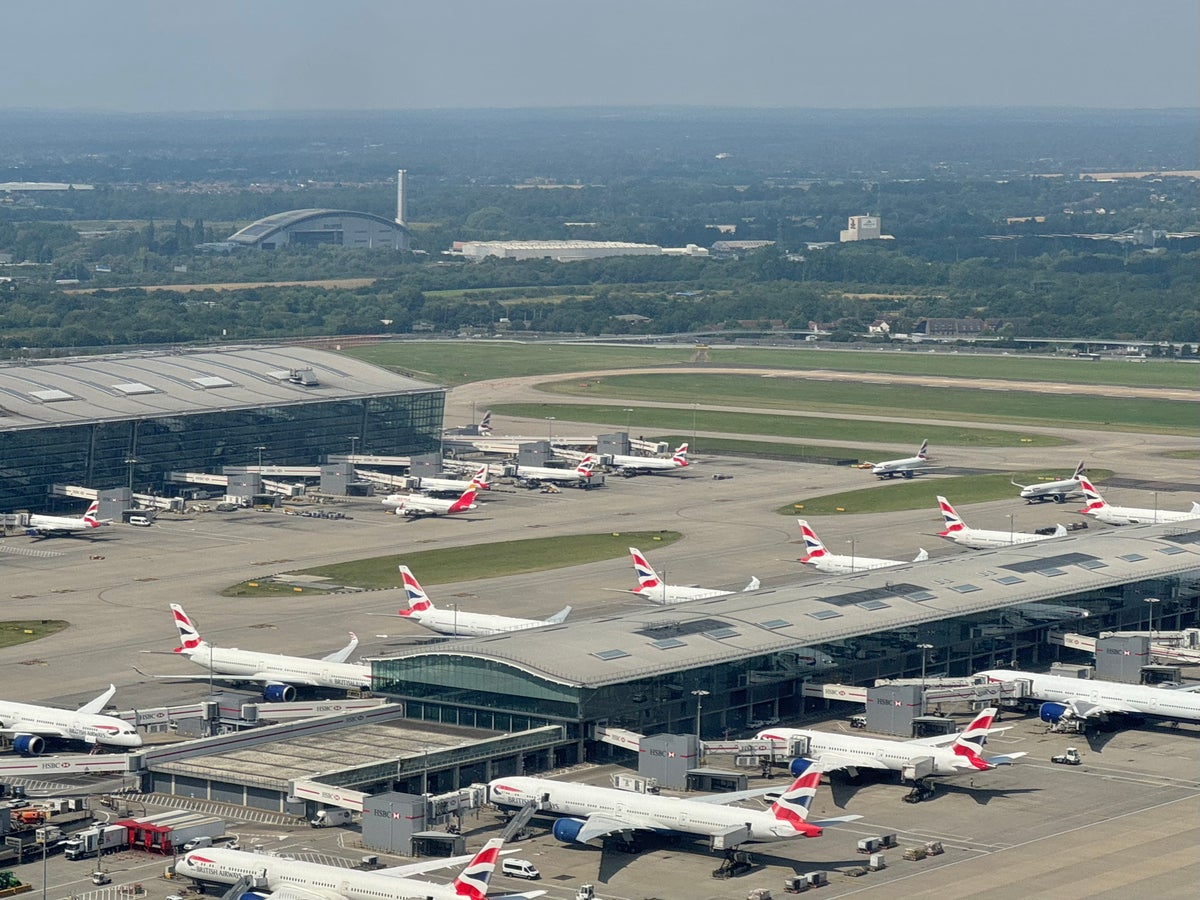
[(127, 420), (753, 654)]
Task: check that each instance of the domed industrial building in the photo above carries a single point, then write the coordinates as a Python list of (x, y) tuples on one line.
[(310, 227)]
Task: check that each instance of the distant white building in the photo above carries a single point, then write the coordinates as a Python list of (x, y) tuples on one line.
[(559, 250), (864, 228)]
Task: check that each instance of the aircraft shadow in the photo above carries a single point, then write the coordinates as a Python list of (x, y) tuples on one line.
[(981, 795)]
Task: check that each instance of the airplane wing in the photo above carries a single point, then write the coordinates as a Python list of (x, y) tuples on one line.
[(833, 762), (945, 740), (599, 826), (40, 730), (425, 865), (342, 655), (1084, 709), (258, 677), (294, 892), (95, 707)]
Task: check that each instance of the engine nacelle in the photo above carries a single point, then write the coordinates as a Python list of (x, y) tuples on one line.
[(567, 830), (250, 895), (1053, 712), (799, 766), (29, 744), (279, 693)]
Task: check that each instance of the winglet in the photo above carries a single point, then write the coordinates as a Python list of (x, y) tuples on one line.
[(560, 616), (754, 585), (96, 706), (340, 656), (922, 556)]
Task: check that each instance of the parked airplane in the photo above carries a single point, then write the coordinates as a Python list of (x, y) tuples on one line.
[(59, 526), (1098, 509), (1058, 491), (946, 754), (906, 467), (1085, 698), (651, 587), (1051, 612), (29, 725), (279, 675), (482, 429), (588, 812), (436, 485), (537, 474), (837, 564), (291, 879), (418, 505), (982, 539), (458, 623), (648, 465)]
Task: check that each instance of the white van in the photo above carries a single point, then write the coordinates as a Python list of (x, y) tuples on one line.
[(520, 868), (141, 521)]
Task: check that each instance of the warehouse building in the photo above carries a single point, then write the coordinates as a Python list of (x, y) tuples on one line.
[(720, 664), (125, 421), (313, 227), (566, 251)]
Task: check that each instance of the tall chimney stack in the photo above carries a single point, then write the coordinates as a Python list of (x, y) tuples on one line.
[(401, 212)]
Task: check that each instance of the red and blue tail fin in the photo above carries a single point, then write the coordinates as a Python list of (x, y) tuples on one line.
[(680, 457), (418, 600), (472, 881), (923, 453), (189, 635), (970, 743), (952, 519), (813, 547), (1095, 502), (90, 514), (794, 804), (485, 424), (646, 576)]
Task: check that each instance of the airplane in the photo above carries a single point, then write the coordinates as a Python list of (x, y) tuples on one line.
[(537, 474), (838, 564), (587, 812), (1052, 612), (29, 725), (950, 754), (1098, 509), (417, 505), (444, 486), (906, 467), (651, 587), (982, 539), (61, 526), (279, 675), (482, 429), (457, 623), (1086, 698), (1058, 491), (291, 879), (648, 465)]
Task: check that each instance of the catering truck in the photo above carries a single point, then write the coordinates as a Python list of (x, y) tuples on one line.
[(97, 841)]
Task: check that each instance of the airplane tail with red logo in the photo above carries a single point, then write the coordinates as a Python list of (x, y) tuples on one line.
[(418, 600), (648, 579), (465, 502), (814, 549), (479, 480), (1095, 502), (969, 744), (586, 467), (680, 457), (89, 516), (793, 805), (923, 453), (485, 424), (189, 634), (472, 881), (952, 519)]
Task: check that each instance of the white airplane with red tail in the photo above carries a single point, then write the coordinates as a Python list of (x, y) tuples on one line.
[(648, 465), (418, 505), (456, 622), (982, 539), (819, 557), (1101, 511), (59, 526), (651, 587)]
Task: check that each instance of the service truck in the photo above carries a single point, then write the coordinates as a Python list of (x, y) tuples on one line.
[(97, 841), (188, 829), (331, 816)]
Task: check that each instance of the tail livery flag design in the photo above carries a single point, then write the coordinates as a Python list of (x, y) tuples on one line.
[(472, 882), (793, 805), (418, 600), (189, 636)]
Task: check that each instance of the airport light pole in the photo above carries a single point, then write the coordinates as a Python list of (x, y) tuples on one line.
[(550, 432), (354, 445), (260, 448), (131, 461), (851, 543), (628, 412), (1151, 601), (699, 695), (695, 409), (1012, 524), (924, 648)]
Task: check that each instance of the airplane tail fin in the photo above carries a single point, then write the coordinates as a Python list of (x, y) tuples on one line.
[(1080, 471), (464, 502), (680, 457), (923, 453), (793, 805), (96, 707), (754, 585), (342, 655), (1195, 508), (89, 516), (1060, 531), (479, 479), (189, 634), (952, 519), (418, 600), (485, 424), (647, 578), (969, 744), (585, 467), (812, 544), (1095, 502), (559, 617), (922, 556), (472, 881)]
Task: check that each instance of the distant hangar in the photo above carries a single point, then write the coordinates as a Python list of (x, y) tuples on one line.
[(313, 227)]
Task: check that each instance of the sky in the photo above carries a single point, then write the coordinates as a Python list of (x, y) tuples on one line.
[(275, 55)]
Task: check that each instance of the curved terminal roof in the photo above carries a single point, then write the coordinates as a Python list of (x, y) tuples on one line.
[(270, 225), (660, 639), (148, 384)]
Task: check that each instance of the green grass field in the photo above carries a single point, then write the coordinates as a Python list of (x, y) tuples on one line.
[(461, 362), (14, 633), (806, 395), (921, 492), (480, 561), (657, 422)]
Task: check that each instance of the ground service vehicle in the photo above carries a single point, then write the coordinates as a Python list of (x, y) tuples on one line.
[(328, 817), (97, 841)]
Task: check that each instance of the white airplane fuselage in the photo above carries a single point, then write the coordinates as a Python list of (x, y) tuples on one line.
[(642, 811), (905, 467), (279, 667), (1058, 491), (983, 539), (467, 624), (60, 524), (644, 463), (1131, 515), (842, 751), (841, 564), (548, 473), (420, 505), (667, 594), (221, 866), (1139, 698), (46, 721)]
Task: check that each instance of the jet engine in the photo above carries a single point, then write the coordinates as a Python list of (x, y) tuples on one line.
[(275, 692), (1054, 712), (799, 766), (567, 830), (29, 744)]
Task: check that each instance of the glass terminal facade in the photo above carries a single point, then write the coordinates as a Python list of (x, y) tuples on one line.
[(139, 452), (482, 692)]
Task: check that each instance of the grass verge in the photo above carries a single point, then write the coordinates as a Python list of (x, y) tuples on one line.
[(18, 632)]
